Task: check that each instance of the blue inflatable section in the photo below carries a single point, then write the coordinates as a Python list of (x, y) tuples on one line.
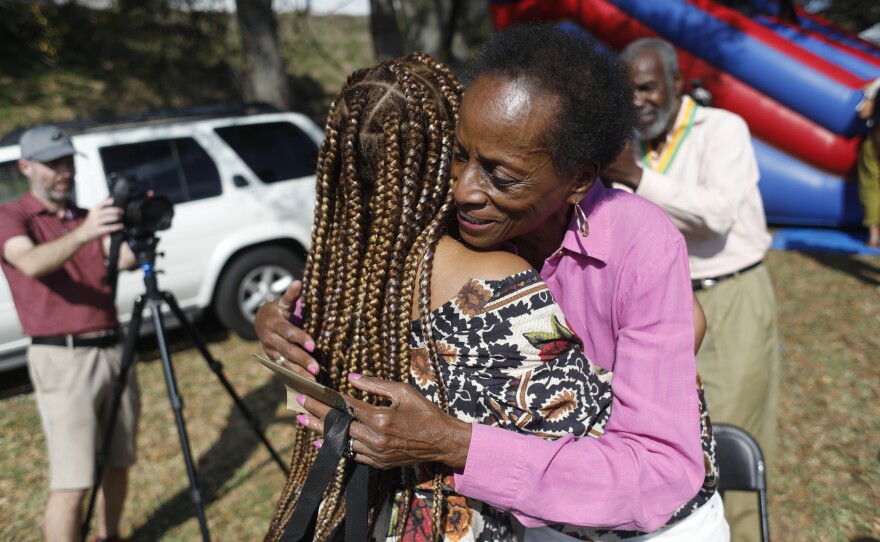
[(771, 7), (815, 240), (796, 193), (771, 72), (853, 65), (578, 30), (839, 37)]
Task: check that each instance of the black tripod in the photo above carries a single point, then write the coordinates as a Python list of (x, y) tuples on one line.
[(144, 248)]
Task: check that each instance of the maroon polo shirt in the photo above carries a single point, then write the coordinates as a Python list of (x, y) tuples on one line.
[(71, 300)]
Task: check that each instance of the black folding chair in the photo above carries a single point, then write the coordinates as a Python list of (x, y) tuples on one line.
[(741, 467)]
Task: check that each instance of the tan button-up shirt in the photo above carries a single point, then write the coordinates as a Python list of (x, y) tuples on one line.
[(710, 192)]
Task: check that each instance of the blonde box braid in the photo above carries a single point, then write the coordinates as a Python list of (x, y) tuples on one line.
[(436, 192), (383, 199)]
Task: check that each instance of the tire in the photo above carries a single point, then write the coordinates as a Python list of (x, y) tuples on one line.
[(253, 278)]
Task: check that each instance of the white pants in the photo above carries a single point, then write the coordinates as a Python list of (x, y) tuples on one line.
[(707, 524)]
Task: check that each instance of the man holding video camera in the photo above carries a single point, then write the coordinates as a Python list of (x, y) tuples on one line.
[(54, 260)]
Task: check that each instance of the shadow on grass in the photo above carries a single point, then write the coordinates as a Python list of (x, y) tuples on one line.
[(849, 264), (15, 382), (236, 443)]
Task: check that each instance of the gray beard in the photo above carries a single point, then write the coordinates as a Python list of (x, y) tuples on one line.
[(656, 128), (59, 196)]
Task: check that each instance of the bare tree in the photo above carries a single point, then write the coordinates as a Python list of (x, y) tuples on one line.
[(386, 30), (445, 29), (264, 77)]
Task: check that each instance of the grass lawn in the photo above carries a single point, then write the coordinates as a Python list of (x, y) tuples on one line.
[(827, 486)]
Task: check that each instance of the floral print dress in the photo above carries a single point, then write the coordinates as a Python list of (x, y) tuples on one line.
[(510, 360)]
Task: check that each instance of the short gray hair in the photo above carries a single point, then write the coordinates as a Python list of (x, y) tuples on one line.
[(664, 49)]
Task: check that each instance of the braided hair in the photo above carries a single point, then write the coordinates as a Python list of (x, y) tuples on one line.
[(383, 200)]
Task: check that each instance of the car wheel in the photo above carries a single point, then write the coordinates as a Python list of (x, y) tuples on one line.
[(253, 278)]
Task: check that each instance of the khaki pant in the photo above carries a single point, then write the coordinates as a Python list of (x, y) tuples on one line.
[(74, 392), (739, 364)]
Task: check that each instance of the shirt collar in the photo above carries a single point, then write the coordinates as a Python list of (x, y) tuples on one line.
[(699, 115), (33, 205), (679, 118), (598, 244)]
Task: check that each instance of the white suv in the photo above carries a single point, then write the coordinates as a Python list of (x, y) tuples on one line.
[(243, 189)]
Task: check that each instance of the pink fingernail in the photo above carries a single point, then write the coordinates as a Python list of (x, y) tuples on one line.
[(313, 368), (302, 420), (317, 444), (354, 376), (301, 400), (310, 346)]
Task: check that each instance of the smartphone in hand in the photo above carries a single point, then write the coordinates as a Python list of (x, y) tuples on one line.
[(319, 392)]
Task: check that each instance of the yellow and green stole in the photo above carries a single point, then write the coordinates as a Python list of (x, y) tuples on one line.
[(670, 150)]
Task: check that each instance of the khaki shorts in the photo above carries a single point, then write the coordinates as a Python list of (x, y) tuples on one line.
[(74, 391)]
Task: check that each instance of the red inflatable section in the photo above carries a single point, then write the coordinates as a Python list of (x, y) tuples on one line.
[(772, 122), (767, 119)]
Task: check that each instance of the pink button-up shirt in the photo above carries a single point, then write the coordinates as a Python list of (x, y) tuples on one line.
[(626, 291)]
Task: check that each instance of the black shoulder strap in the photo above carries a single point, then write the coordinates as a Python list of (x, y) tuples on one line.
[(301, 527)]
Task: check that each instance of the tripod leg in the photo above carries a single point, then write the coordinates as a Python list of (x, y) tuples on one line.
[(217, 369), (177, 407), (119, 385)]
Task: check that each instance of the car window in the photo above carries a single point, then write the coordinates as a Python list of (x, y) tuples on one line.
[(13, 184), (178, 169), (275, 151)]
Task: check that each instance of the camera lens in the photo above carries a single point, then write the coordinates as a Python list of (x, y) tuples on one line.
[(142, 214), (151, 214)]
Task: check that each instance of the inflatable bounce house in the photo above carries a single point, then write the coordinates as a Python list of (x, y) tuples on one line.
[(796, 85)]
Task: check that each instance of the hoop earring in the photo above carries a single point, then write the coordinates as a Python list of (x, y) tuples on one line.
[(581, 217)]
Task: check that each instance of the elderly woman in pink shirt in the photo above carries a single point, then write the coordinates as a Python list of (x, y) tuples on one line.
[(527, 144)]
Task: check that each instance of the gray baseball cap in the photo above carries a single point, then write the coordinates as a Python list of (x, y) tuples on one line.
[(45, 143)]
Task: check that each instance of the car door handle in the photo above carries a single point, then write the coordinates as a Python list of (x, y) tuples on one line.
[(239, 181)]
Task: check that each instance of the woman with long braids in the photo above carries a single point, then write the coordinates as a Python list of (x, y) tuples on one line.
[(388, 292), (544, 112)]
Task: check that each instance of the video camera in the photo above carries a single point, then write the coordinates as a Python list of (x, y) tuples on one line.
[(143, 214)]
